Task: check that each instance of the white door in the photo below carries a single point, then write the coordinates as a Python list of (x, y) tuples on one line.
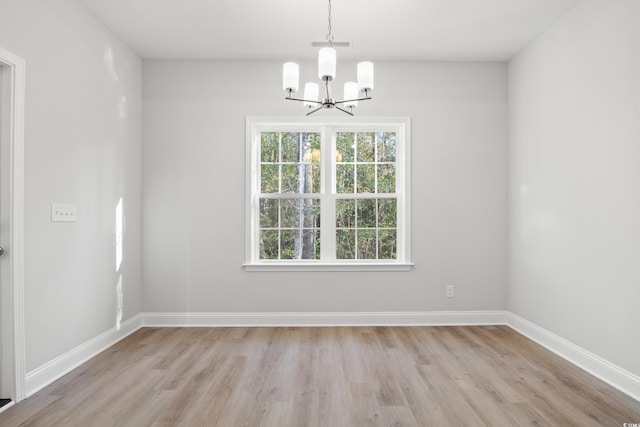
[(12, 360), (4, 346)]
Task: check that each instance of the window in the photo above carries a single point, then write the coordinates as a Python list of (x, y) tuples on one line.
[(331, 195)]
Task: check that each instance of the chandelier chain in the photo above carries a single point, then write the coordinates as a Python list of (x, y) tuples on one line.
[(329, 35)]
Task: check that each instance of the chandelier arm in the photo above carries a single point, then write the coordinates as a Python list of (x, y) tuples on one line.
[(303, 100), (353, 100), (343, 110), (313, 111)]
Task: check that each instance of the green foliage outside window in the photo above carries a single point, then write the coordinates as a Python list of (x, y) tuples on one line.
[(290, 201), (289, 228), (365, 162), (289, 164), (366, 228)]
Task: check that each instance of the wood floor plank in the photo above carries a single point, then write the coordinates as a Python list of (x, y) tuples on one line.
[(350, 376), (420, 400)]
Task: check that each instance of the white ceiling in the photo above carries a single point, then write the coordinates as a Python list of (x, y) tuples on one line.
[(468, 30)]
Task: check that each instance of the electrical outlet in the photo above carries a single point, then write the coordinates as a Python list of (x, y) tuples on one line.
[(450, 291)]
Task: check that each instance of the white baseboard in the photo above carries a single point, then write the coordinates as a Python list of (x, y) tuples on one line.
[(61, 365), (7, 406), (435, 318), (613, 375)]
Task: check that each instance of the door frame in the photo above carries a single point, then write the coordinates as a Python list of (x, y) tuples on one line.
[(12, 286)]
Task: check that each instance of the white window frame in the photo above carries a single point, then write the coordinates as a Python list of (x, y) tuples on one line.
[(328, 128)]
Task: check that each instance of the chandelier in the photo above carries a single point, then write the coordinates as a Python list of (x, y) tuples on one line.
[(353, 91)]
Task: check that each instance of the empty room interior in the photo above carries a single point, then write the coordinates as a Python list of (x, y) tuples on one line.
[(199, 227)]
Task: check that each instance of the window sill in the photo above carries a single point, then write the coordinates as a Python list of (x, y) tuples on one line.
[(261, 267)]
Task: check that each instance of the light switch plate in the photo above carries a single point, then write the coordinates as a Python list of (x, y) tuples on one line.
[(63, 213)]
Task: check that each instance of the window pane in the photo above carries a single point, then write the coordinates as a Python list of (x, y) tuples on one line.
[(300, 244), (300, 178), (290, 147), (309, 179), (387, 244), (310, 244), (386, 178), (300, 213), (269, 147), (268, 244), (315, 177), (366, 213), (366, 244), (289, 213), (344, 178), (289, 178), (386, 146), (269, 179), (366, 178), (366, 147), (310, 213), (311, 147), (345, 213), (287, 244), (387, 213), (345, 244), (268, 213), (344, 146)]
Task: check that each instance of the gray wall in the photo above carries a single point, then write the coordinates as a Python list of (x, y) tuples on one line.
[(194, 182), (574, 185), (82, 146)]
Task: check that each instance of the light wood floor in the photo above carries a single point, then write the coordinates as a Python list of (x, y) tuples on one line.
[(364, 376)]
